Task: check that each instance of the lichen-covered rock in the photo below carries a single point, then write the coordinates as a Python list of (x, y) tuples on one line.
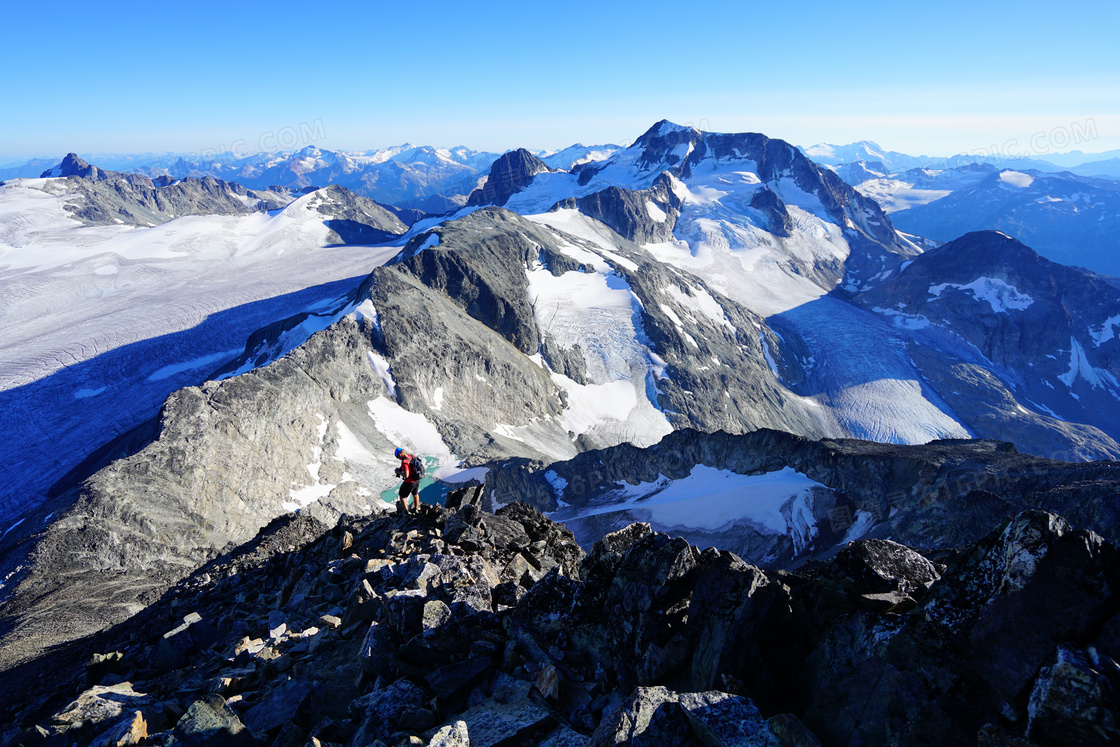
[(102, 709), (211, 722), (451, 735), (1075, 700)]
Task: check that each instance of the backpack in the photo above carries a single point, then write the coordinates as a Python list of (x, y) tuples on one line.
[(416, 467)]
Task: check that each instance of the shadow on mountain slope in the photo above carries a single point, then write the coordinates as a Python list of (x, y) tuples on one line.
[(56, 423)]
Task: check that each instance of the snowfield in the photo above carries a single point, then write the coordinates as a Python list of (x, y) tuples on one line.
[(712, 500), (895, 195), (600, 313), (101, 323)]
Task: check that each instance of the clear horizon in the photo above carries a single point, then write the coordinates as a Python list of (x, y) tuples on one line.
[(1078, 135), (133, 78)]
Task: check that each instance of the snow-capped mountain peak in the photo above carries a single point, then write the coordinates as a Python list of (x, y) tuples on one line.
[(665, 145), (862, 150)]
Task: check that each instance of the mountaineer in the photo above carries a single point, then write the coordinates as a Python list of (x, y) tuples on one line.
[(410, 472)]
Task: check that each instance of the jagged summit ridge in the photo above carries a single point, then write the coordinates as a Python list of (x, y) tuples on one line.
[(103, 197), (464, 627)]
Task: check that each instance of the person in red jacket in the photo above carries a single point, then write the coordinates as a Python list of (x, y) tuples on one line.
[(411, 480)]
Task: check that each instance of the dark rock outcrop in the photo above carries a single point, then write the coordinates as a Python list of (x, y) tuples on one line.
[(73, 165), (642, 216), (511, 173), (778, 220)]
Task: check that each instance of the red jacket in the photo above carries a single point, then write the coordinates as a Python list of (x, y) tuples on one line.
[(406, 469)]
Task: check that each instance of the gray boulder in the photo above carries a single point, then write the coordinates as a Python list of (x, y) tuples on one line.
[(878, 566), (209, 721)]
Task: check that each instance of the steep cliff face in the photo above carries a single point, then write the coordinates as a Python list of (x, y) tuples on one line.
[(508, 175), (74, 165)]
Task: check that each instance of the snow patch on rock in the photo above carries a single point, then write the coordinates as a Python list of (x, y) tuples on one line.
[(999, 294), (1016, 179)]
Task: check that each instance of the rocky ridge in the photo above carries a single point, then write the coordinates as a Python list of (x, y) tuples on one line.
[(354, 219), (223, 459), (455, 626), (628, 213), (100, 197), (938, 495)]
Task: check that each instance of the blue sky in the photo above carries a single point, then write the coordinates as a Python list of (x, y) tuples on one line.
[(940, 79)]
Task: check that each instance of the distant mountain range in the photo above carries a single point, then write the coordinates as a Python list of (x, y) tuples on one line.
[(1066, 217), (1051, 216), (433, 180), (1070, 219), (1077, 162)]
